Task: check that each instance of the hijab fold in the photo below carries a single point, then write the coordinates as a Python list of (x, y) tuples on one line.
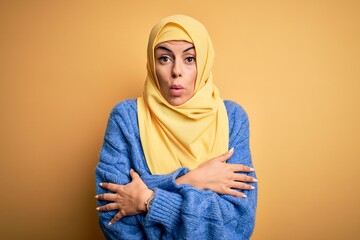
[(191, 133)]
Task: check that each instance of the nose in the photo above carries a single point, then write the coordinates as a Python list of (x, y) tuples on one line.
[(177, 69)]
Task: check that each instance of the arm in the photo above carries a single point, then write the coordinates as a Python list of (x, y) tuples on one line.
[(219, 177), (204, 213), (113, 167), (120, 152), (196, 211)]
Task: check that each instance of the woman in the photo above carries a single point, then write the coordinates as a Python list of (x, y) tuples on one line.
[(165, 171)]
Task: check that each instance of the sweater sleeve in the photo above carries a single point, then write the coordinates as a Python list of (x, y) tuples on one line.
[(113, 167), (177, 211), (187, 212), (121, 151)]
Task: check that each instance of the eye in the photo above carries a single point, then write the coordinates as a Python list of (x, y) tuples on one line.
[(190, 59), (164, 59)]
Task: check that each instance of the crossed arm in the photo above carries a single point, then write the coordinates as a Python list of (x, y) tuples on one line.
[(214, 175), (217, 199)]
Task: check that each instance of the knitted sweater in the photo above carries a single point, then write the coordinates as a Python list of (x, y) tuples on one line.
[(176, 211)]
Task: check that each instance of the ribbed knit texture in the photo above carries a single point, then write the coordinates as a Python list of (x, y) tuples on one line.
[(177, 211)]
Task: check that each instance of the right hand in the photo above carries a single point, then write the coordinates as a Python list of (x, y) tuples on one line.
[(128, 199), (219, 177)]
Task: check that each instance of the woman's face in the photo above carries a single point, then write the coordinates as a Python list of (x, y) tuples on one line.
[(175, 65)]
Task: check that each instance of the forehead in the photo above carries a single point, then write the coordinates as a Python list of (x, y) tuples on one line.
[(174, 44)]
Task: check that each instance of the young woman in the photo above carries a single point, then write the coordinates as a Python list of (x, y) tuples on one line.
[(175, 163)]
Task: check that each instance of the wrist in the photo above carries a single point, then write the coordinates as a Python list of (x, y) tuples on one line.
[(190, 178), (145, 200)]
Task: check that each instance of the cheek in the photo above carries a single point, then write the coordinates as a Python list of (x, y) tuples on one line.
[(160, 75), (193, 75)]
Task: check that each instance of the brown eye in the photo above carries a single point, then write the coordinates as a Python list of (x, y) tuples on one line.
[(190, 59), (164, 59)]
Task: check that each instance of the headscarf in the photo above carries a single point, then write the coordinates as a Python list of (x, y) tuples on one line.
[(195, 131)]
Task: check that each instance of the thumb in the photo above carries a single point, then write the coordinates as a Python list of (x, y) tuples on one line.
[(226, 156), (133, 174)]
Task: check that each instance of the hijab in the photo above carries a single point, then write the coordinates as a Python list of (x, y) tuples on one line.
[(195, 131)]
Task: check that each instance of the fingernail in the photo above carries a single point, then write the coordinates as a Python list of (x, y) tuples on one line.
[(251, 169), (100, 184), (97, 208), (244, 196), (131, 170), (254, 180), (96, 196), (252, 187), (231, 150), (109, 223)]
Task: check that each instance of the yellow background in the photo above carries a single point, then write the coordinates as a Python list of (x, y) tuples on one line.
[(293, 65)]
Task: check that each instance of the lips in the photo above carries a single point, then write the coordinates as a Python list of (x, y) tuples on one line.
[(176, 90)]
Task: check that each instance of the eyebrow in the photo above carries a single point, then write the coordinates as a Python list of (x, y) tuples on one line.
[(192, 47), (168, 50)]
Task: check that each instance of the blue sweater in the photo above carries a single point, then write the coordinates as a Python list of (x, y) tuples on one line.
[(176, 211)]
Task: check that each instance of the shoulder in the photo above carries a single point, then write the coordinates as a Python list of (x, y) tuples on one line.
[(125, 107), (123, 118), (238, 122), (124, 114), (235, 111)]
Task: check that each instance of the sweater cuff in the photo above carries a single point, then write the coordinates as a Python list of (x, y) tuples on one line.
[(165, 209), (165, 182)]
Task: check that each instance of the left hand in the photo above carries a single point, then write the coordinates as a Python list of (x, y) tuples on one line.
[(128, 199), (220, 177)]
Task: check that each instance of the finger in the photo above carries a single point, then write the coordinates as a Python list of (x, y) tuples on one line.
[(107, 207), (235, 193), (225, 156), (133, 174), (106, 197), (110, 186), (116, 218), (240, 168), (244, 178), (242, 186)]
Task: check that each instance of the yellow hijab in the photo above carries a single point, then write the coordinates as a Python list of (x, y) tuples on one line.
[(191, 133)]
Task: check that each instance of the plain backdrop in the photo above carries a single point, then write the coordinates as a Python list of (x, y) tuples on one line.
[(293, 65)]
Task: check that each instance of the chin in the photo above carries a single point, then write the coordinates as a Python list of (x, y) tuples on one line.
[(176, 102)]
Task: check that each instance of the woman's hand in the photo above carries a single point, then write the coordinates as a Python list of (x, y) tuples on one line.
[(220, 177), (128, 199)]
